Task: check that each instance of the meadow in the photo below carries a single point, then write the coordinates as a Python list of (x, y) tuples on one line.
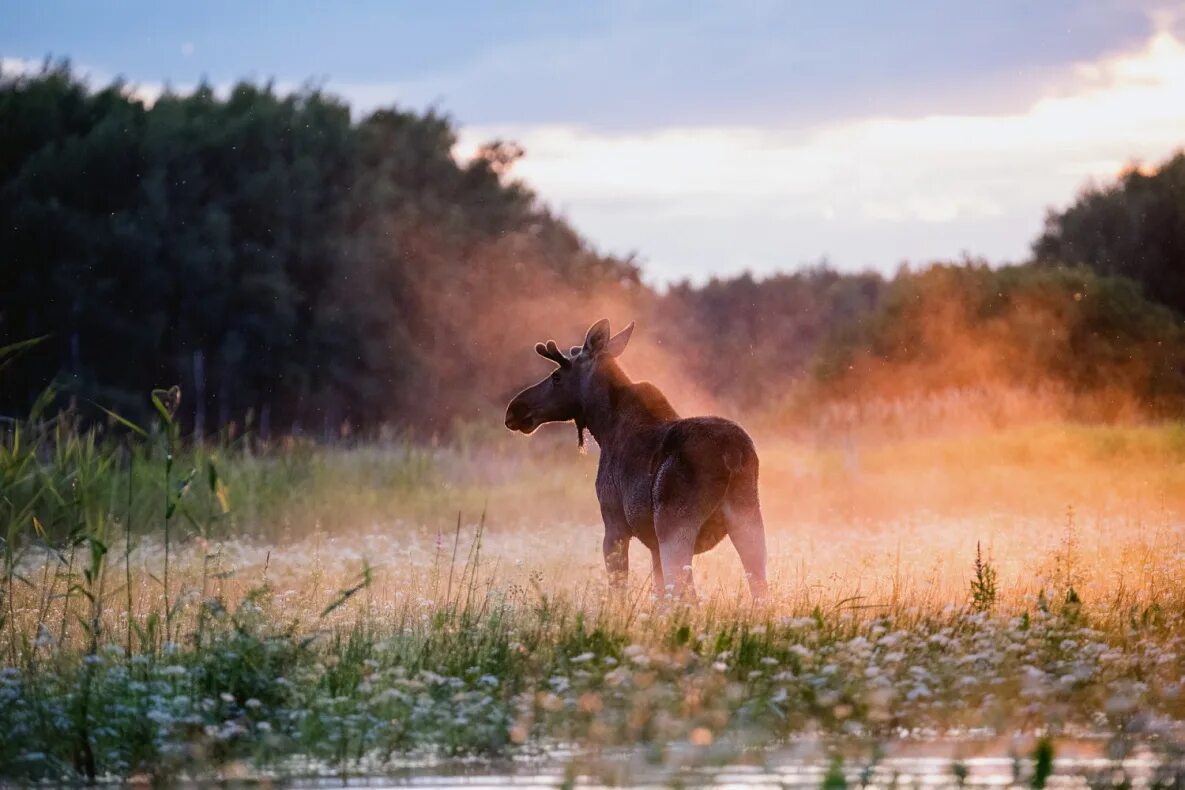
[(973, 475), (299, 611)]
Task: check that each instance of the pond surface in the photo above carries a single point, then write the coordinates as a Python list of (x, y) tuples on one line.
[(936, 763)]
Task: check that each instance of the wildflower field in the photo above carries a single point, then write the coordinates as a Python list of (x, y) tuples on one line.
[(295, 611)]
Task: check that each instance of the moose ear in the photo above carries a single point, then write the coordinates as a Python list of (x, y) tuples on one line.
[(618, 342), (597, 337), (574, 350)]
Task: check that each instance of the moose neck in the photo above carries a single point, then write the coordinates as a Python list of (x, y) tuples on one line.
[(611, 409)]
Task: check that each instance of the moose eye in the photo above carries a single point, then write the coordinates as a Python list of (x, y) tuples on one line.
[(555, 377)]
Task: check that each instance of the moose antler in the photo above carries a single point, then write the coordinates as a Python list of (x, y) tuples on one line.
[(551, 351)]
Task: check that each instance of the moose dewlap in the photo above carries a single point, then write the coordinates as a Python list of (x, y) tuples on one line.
[(677, 485)]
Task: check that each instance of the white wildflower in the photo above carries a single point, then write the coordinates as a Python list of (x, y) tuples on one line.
[(920, 691), (802, 651)]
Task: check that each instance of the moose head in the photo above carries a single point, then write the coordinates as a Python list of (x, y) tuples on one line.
[(560, 396)]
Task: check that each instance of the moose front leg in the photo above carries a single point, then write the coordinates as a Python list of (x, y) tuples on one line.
[(617, 558), (660, 588), (616, 546)]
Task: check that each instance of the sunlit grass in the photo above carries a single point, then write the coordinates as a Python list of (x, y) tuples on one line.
[(328, 613)]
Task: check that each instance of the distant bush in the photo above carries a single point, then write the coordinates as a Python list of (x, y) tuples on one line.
[(749, 341), (1095, 339), (1134, 227)]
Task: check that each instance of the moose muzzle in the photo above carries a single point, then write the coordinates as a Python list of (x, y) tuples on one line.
[(519, 417)]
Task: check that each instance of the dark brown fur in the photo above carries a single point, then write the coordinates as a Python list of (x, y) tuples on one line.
[(677, 485)]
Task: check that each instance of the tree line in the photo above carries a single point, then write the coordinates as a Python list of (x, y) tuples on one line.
[(294, 269), (283, 264)]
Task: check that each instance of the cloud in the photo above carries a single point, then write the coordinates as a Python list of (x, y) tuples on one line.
[(19, 67), (870, 191), (850, 180)]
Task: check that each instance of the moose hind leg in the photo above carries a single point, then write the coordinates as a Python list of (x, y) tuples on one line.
[(746, 529), (686, 494), (676, 548)]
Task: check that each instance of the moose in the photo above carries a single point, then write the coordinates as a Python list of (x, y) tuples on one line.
[(679, 485)]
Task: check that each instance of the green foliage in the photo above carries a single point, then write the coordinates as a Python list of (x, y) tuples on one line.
[(983, 584), (1042, 763), (282, 263), (1134, 227), (834, 779), (1092, 339), (749, 340)]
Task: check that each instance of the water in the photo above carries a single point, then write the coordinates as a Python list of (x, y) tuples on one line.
[(904, 764)]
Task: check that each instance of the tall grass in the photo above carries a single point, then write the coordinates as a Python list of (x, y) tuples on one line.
[(301, 610)]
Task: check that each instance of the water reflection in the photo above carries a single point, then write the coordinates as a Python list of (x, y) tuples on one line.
[(1004, 762)]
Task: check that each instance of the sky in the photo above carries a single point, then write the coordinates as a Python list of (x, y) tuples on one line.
[(711, 138)]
